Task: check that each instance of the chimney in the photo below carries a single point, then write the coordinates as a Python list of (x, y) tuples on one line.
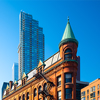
[(10, 84)]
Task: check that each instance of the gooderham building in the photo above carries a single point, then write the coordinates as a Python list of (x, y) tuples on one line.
[(53, 79)]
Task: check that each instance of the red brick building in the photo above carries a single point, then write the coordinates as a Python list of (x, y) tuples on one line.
[(53, 79)]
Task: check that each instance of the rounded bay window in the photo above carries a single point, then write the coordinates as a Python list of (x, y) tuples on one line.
[(68, 54)]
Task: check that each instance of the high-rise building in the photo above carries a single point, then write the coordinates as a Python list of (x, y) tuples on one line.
[(31, 46), (15, 72)]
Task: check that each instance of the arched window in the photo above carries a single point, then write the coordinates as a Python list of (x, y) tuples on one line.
[(45, 86), (28, 96), (23, 96), (35, 92), (20, 98), (68, 54), (40, 89)]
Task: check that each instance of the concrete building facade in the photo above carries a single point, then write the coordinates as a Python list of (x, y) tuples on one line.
[(92, 91)]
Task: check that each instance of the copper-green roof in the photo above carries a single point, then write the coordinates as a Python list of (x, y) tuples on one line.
[(68, 35)]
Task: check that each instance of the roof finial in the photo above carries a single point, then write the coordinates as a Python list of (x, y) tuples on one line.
[(68, 18)]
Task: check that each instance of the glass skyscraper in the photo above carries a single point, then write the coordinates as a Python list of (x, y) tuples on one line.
[(15, 72), (31, 46)]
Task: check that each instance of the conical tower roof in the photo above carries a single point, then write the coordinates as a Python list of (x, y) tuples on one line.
[(68, 35)]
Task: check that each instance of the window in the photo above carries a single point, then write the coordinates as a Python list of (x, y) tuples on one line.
[(83, 93), (68, 93), (59, 95), (40, 89), (19, 98), (59, 81), (93, 94), (98, 86), (83, 98), (28, 96), (68, 77), (45, 86), (24, 81), (68, 54), (35, 92), (41, 70), (23, 96), (87, 97), (98, 93), (14, 86), (93, 88), (87, 91), (98, 98), (68, 51)]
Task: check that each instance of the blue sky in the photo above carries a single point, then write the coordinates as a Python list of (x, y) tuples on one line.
[(84, 17)]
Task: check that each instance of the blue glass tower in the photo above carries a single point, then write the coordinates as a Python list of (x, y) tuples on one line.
[(15, 72), (31, 46)]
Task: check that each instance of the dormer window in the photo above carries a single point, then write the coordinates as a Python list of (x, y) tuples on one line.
[(41, 70), (23, 81), (68, 54), (15, 87), (24, 78)]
